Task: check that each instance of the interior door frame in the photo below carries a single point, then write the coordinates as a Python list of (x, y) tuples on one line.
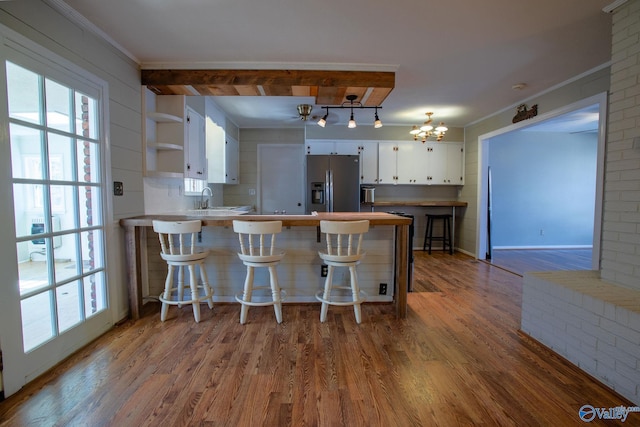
[(482, 240), (262, 148)]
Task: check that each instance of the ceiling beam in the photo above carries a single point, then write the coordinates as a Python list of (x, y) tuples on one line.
[(328, 87)]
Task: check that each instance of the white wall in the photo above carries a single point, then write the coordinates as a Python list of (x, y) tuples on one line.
[(38, 21), (543, 189)]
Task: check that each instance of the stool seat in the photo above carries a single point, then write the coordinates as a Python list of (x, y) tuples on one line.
[(177, 242), (257, 250), (445, 237), (344, 242), (186, 258)]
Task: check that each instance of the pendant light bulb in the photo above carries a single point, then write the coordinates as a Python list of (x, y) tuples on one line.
[(377, 123), (352, 122)]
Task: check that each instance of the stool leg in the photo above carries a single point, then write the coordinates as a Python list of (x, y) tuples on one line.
[(248, 291), (426, 233), (275, 292), (193, 281), (430, 231), (449, 236), (355, 292), (166, 294), (180, 285), (207, 287), (328, 283)]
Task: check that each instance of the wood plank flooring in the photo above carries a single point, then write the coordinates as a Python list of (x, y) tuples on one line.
[(520, 261), (457, 359)]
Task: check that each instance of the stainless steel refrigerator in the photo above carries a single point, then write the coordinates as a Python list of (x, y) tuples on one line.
[(333, 183)]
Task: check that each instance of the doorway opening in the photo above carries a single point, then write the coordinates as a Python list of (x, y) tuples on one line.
[(540, 190)]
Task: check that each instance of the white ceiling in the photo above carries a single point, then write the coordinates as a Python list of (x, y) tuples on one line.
[(457, 58)]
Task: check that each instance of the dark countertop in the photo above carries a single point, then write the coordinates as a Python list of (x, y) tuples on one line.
[(421, 203)]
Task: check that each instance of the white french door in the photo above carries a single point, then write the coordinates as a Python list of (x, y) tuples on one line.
[(53, 286)]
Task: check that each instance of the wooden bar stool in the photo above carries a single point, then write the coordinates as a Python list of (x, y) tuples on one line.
[(445, 238), (177, 240), (257, 249), (344, 241)]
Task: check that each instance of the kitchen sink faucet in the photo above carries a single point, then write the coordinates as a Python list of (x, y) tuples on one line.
[(204, 204)]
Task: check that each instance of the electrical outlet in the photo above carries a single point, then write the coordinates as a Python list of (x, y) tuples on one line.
[(324, 270), (118, 188), (383, 289)]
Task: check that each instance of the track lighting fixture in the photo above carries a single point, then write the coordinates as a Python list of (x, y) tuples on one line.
[(351, 104), (427, 130), (323, 121), (377, 123)]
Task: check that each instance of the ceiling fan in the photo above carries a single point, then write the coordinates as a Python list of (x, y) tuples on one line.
[(304, 110)]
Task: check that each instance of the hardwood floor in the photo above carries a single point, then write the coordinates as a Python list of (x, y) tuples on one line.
[(521, 261), (457, 359)]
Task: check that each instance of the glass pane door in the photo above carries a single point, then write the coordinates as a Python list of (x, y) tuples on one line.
[(55, 159)]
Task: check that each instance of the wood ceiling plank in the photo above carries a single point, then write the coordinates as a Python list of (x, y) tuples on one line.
[(300, 90), (376, 96), (203, 90), (222, 90), (277, 90), (357, 91), (328, 95), (247, 90)]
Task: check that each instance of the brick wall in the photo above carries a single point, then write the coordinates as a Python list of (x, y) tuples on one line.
[(621, 220), (591, 323)]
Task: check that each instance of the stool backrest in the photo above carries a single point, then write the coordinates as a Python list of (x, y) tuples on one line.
[(257, 237), (344, 237), (177, 237)]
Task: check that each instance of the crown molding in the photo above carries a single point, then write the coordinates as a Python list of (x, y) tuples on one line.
[(79, 19), (616, 4)]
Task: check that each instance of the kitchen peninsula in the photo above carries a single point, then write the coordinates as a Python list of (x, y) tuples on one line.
[(386, 262)]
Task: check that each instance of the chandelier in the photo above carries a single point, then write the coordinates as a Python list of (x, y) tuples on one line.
[(427, 130), (351, 104)]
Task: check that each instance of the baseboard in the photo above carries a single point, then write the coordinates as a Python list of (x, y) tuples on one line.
[(548, 247)]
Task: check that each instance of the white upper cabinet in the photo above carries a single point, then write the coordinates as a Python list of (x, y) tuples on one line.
[(222, 150), (195, 162), (232, 160), (368, 162), (445, 165), (164, 134), (400, 163), (431, 163), (387, 163), (324, 147)]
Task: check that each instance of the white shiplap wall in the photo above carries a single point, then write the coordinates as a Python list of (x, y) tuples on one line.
[(298, 273)]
